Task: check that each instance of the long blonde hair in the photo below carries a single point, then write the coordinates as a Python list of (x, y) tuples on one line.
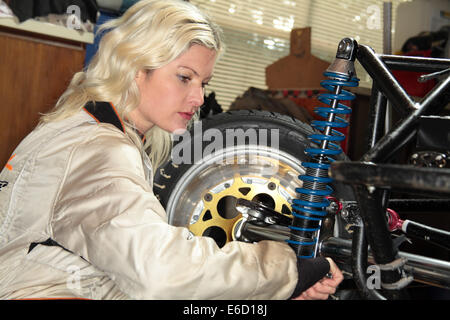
[(149, 35)]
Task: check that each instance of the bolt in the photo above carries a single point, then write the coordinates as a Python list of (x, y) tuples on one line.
[(271, 186), (334, 207), (270, 220), (208, 197), (344, 213)]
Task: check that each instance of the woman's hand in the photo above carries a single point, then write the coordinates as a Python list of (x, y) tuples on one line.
[(324, 287)]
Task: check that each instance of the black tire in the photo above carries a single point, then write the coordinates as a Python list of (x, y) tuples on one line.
[(293, 140)]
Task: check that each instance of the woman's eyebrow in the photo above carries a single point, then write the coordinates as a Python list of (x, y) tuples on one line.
[(195, 72)]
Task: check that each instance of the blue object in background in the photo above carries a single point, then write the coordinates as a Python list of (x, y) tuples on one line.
[(91, 49), (106, 14), (126, 4)]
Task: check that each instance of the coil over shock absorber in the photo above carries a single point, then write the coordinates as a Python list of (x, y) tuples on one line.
[(310, 208)]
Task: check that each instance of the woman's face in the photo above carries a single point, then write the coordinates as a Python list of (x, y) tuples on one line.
[(170, 95)]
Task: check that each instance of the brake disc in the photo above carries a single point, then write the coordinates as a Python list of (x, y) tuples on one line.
[(268, 178)]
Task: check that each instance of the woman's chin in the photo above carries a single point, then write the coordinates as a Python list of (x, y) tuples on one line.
[(179, 131)]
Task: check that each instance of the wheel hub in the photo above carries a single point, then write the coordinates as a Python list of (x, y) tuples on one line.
[(216, 214)]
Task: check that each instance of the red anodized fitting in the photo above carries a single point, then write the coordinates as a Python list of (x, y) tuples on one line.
[(394, 221), (338, 203)]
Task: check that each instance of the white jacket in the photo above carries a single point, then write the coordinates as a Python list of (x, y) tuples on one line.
[(86, 186)]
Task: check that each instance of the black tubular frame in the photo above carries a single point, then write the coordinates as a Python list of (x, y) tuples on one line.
[(378, 66), (373, 178)]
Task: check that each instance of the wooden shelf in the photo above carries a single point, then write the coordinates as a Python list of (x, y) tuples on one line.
[(48, 29)]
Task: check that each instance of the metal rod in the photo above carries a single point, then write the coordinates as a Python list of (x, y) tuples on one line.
[(387, 27), (411, 63), (433, 181), (420, 205), (426, 270), (377, 115), (275, 232), (378, 235), (385, 81), (405, 130), (359, 264)]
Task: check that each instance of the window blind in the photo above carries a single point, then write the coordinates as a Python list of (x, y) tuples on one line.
[(257, 33)]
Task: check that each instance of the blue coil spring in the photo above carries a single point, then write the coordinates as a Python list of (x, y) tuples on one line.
[(310, 208)]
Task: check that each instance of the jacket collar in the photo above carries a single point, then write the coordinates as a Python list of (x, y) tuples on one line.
[(105, 112)]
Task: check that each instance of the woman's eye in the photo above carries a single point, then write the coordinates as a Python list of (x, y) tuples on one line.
[(184, 79)]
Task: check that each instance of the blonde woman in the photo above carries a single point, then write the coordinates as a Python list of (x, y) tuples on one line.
[(78, 217)]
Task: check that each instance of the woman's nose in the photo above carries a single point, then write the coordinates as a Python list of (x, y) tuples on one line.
[(197, 96)]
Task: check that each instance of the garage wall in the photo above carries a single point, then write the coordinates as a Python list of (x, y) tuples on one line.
[(257, 34)]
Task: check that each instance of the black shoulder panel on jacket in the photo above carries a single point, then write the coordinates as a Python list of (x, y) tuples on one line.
[(104, 112)]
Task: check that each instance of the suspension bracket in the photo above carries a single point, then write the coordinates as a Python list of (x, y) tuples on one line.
[(397, 264), (260, 222)]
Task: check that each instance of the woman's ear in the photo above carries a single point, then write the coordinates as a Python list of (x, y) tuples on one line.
[(140, 76)]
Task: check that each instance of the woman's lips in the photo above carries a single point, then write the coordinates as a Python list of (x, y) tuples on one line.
[(186, 115)]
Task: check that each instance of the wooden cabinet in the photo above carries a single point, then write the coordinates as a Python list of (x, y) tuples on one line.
[(35, 69)]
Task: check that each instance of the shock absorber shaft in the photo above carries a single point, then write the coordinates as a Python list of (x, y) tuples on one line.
[(310, 208), (331, 116)]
